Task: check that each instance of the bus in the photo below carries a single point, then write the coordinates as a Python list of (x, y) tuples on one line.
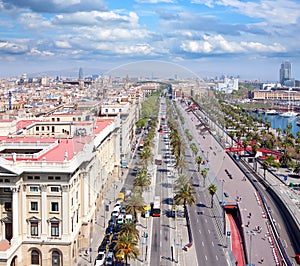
[(156, 207), (158, 160), (141, 146)]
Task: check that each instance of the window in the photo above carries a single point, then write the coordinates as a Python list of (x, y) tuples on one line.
[(120, 110), (54, 189), (29, 177), (35, 257), (37, 178), (37, 128), (6, 189), (50, 177), (106, 110), (35, 189), (7, 206), (54, 229), (57, 178), (34, 206), (54, 207), (34, 229), (55, 258)]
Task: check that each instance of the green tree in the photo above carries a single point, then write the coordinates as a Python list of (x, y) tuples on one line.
[(135, 204), (180, 181), (127, 247), (142, 180), (146, 155), (129, 227), (198, 162), (185, 195), (212, 189), (204, 173)]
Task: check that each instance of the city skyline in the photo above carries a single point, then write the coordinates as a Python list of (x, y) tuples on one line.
[(250, 39)]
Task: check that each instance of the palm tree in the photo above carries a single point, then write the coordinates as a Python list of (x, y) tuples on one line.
[(185, 195), (130, 228), (204, 173), (146, 155), (180, 181), (198, 162), (127, 247), (135, 204), (180, 164), (142, 180), (212, 189), (297, 169)]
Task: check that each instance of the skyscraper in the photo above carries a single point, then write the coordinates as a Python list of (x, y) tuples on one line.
[(80, 74), (285, 72)]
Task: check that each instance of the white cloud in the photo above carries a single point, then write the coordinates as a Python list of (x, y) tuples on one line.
[(12, 48), (278, 12), (33, 21), (219, 45), (102, 19), (34, 51), (62, 44)]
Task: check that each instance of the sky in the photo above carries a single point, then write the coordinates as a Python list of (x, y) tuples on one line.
[(208, 37)]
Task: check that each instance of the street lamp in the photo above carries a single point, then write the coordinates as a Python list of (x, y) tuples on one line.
[(250, 233)]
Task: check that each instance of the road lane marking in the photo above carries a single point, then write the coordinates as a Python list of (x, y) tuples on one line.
[(217, 257), (208, 231), (202, 243), (205, 257), (212, 243)]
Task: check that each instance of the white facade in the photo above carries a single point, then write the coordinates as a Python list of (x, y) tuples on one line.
[(50, 190)]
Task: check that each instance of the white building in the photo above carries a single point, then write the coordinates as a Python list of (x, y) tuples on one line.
[(51, 186)]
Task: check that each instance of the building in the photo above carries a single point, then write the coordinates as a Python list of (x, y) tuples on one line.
[(53, 175), (285, 72)]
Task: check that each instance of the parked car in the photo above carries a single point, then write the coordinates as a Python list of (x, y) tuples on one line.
[(109, 259), (100, 259)]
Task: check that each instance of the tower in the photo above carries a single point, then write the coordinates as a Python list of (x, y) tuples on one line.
[(80, 74), (285, 72)]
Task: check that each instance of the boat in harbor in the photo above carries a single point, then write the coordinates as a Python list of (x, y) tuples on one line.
[(271, 112), (289, 114)]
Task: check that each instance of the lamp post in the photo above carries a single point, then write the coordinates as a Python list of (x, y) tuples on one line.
[(250, 233)]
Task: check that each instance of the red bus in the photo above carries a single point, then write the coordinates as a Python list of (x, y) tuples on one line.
[(156, 207)]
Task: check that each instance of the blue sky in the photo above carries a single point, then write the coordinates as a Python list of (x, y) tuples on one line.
[(208, 37)]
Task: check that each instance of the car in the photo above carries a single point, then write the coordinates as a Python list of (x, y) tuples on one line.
[(226, 194), (115, 237), (109, 230), (100, 259), (106, 239), (135, 169), (123, 210), (112, 221), (297, 258), (112, 246), (115, 213), (117, 228), (120, 219), (102, 248), (109, 258)]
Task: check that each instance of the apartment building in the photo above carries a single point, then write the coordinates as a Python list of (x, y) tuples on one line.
[(53, 175)]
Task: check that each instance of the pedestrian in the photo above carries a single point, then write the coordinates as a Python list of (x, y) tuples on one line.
[(249, 214), (262, 260)]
